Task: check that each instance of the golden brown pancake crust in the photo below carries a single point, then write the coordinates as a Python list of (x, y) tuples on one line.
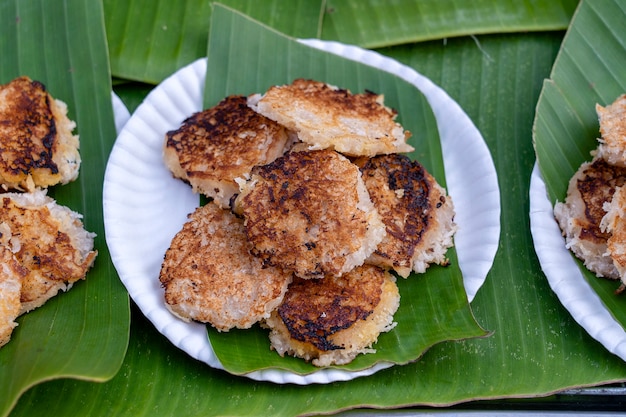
[(401, 191), (209, 275), (302, 213), (28, 133), (217, 145), (314, 310), (45, 249), (327, 117)]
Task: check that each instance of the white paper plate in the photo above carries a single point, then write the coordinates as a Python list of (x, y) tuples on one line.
[(564, 276), (120, 112), (144, 206)]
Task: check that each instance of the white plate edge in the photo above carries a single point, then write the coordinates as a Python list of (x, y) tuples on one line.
[(120, 112)]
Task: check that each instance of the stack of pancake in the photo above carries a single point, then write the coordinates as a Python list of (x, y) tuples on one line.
[(313, 210)]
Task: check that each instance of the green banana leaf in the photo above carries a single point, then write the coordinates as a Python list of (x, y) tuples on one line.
[(375, 24), (588, 70), (82, 333), (536, 349), (243, 59), (149, 40)]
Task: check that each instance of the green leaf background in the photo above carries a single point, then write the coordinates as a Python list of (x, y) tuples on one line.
[(150, 39), (376, 24), (536, 348)]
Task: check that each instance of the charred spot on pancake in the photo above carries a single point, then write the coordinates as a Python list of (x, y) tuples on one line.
[(37, 146), (215, 146), (213, 123), (597, 186), (33, 132), (314, 310), (417, 214), (400, 173), (332, 320)]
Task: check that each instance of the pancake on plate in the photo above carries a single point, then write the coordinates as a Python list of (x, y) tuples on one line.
[(327, 117), (580, 215), (309, 212), (418, 216), (330, 321), (213, 147), (37, 147), (48, 240), (210, 276)]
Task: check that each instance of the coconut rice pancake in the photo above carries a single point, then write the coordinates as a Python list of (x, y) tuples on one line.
[(209, 275), (37, 147), (327, 117), (330, 321), (213, 147), (309, 212), (418, 216)]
